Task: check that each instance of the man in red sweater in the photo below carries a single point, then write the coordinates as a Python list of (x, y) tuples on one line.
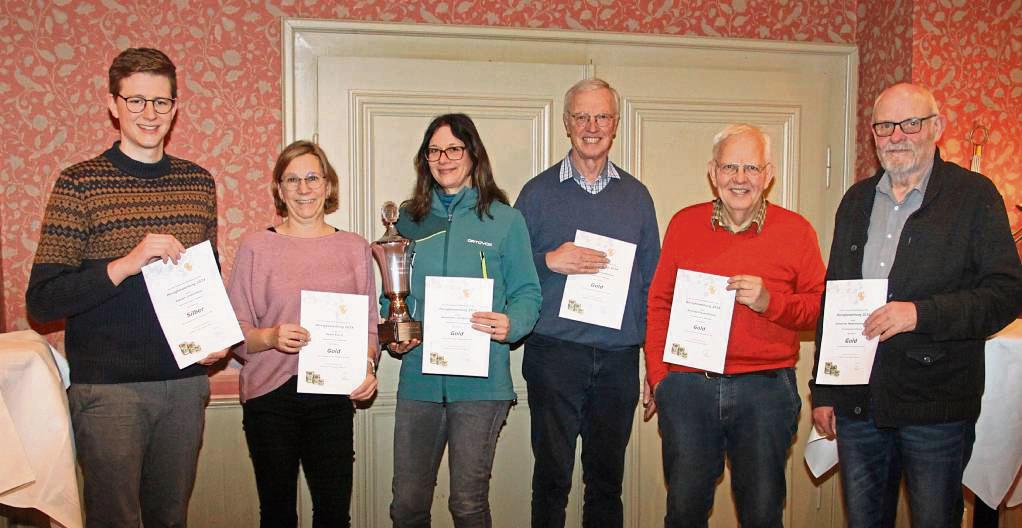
[(772, 260)]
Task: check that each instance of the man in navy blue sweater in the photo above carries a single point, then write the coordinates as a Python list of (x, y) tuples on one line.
[(583, 379)]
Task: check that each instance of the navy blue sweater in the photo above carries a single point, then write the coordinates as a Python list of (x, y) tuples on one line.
[(623, 210)]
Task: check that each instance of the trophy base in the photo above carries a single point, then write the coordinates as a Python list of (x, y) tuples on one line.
[(395, 332)]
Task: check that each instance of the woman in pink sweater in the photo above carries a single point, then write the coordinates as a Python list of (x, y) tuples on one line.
[(283, 427)]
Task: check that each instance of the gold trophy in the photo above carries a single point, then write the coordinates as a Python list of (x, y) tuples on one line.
[(393, 254)]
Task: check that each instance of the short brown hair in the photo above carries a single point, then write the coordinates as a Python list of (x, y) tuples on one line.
[(290, 153), (141, 60)]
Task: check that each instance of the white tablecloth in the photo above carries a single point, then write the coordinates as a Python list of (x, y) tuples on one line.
[(36, 450), (997, 453)]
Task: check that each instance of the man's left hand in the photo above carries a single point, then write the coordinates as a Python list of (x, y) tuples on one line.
[(890, 320), (750, 291), (213, 357)]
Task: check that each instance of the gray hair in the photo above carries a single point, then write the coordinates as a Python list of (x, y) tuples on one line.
[(589, 85), (931, 101), (737, 130)]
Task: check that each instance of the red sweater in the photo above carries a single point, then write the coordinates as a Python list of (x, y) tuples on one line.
[(785, 253)]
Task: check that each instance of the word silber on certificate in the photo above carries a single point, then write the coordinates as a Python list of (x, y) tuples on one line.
[(334, 359), (846, 356), (700, 324), (449, 343), (599, 298), (191, 304)]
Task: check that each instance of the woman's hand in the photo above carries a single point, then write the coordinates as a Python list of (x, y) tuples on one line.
[(366, 389), (494, 323), (288, 337), (403, 346)]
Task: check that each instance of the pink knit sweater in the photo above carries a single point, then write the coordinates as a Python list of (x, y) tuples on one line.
[(270, 271)]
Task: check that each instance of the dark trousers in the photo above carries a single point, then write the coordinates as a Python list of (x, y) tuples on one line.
[(577, 390), (750, 418), (932, 458), (284, 428)]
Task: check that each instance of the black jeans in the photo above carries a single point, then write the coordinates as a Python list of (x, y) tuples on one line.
[(283, 429), (578, 390)]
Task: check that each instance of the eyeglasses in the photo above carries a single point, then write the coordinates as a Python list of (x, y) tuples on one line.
[(312, 180), (136, 104), (911, 125), (602, 120), (731, 169), (452, 153)]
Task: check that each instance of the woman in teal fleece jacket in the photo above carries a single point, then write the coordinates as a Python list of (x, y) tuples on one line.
[(463, 227)]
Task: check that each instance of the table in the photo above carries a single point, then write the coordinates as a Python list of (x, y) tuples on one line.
[(36, 447), (997, 453)]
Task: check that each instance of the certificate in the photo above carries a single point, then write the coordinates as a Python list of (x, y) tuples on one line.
[(449, 343), (334, 360), (599, 298), (191, 304), (846, 356), (700, 323)]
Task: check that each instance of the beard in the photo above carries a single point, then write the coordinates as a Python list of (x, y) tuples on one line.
[(904, 159)]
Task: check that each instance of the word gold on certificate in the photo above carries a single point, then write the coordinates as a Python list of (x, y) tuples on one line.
[(191, 304), (599, 298), (700, 322), (846, 356), (334, 359), (450, 345)]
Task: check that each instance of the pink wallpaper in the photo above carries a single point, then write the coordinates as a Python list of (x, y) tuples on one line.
[(970, 54), (55, 55), (884, 37)]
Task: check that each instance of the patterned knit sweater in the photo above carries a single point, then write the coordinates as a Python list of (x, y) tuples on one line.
[(99, 211)]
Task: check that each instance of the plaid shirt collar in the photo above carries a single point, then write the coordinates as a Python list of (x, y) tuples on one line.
[(569, 172), (720, 218)]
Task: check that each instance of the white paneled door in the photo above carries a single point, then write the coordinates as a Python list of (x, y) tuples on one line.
[(367, 91)]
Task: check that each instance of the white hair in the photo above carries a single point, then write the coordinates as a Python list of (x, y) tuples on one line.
[(737, 130), (589, 85)]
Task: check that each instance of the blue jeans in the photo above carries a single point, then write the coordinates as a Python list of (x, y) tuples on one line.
[(422, 430), (138, 444), (577, 390), (284, 428), (750, 418), (932, 457)]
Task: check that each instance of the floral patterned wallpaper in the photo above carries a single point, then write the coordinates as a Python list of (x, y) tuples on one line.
[(970, 54), (54, 55)]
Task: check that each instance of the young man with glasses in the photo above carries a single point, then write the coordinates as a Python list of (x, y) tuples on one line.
[(939, 234), (137, 417), (748, 413), (583, 379)]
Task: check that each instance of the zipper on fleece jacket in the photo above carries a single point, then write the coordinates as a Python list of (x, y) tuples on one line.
[(447, 245)]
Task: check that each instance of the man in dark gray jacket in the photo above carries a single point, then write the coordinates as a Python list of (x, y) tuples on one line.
[(940, 235)]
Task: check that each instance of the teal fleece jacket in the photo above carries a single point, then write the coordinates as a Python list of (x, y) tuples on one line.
[(448, 243)]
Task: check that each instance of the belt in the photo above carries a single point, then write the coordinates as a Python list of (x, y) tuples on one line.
[(765, 373)]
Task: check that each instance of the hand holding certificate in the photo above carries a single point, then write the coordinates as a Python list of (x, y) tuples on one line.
[(846, 356), (700, 323), (334, 360), (599, 298), (191, 304), (449, 344)]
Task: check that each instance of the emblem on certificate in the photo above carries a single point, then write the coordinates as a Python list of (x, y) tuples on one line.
[(393, 254)]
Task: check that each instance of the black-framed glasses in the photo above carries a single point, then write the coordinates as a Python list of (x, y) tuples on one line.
[(911, 125), (312, 180), (731, 169), (136, 104), (602, 120), (453, 153)]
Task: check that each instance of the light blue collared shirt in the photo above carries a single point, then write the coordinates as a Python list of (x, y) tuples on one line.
[(568, 171)]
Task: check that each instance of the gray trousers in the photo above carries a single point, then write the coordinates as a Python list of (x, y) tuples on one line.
[(138, 444), (422, 431)]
